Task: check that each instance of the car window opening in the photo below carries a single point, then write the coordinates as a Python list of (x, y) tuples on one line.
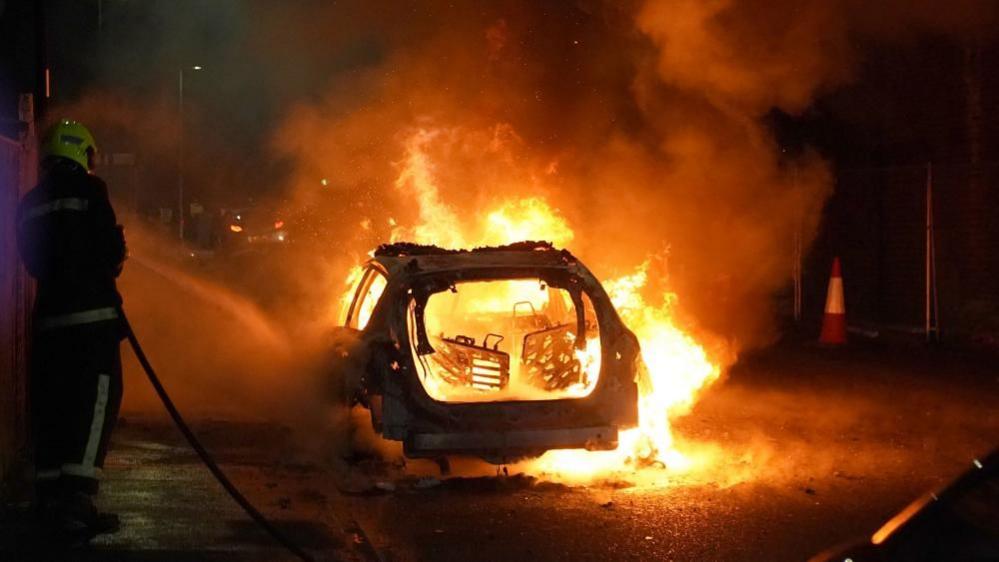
[(367, 292), (485, 341)]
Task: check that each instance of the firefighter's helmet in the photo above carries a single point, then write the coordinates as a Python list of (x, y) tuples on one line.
[(71, 140)]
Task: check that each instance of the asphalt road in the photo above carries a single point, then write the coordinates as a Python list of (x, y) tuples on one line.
[(817, 448), (812, 448)]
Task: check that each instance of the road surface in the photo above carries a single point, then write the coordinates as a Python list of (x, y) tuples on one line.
[(812, 447)]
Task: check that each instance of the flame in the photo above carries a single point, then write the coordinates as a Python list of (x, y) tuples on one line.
[(514, 220), (526, 219), (351, 282), (438, 223), (678, 367)]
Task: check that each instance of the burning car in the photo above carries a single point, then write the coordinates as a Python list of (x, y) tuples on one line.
[(500, 352)]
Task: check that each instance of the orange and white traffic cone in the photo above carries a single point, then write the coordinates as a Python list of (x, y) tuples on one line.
[(834, 322)]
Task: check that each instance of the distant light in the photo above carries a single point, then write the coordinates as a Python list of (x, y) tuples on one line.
[(239, 218), (978, 463), (197, 67), (324, 182), (278, 224), (235, 228)]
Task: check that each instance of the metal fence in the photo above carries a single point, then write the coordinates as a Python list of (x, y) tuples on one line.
[(877, 223), (17, 173)]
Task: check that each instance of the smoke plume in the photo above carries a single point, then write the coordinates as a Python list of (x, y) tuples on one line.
[(642, 123)]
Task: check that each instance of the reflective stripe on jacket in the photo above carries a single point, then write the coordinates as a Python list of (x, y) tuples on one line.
[(70, 242), (77, 318)]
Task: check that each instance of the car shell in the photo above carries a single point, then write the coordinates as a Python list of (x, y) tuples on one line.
[(380, 372)]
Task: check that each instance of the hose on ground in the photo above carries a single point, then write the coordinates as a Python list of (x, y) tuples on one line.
[(203, 453)]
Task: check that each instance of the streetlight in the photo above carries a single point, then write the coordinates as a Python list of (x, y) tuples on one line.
[(180, 150)]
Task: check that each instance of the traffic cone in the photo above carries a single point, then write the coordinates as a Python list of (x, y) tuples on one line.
[(834, 322)]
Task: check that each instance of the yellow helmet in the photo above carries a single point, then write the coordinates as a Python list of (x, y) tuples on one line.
[(70, 139)]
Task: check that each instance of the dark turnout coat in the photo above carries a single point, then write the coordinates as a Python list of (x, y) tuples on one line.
[(70, 242)]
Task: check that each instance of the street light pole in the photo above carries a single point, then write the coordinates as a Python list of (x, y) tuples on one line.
[(180, 152), (180, 156)]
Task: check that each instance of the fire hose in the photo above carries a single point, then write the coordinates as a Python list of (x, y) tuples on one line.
[(203, 453)]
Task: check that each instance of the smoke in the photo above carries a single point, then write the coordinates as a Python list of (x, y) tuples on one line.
[(215, 350), (642, 123), (733, 203)]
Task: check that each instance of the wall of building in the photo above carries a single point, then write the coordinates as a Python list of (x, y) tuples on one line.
[(17, 174)]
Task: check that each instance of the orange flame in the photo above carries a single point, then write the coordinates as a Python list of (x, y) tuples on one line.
[(678, 367)]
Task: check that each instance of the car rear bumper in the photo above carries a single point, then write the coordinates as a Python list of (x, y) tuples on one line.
[(510, 443)]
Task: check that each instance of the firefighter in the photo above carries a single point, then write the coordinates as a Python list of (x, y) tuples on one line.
[(70, 242)]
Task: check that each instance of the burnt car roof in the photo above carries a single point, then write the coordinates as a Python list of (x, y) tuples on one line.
[(411, 258)]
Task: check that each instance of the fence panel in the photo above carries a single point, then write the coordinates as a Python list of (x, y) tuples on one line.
[(876, 222)]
